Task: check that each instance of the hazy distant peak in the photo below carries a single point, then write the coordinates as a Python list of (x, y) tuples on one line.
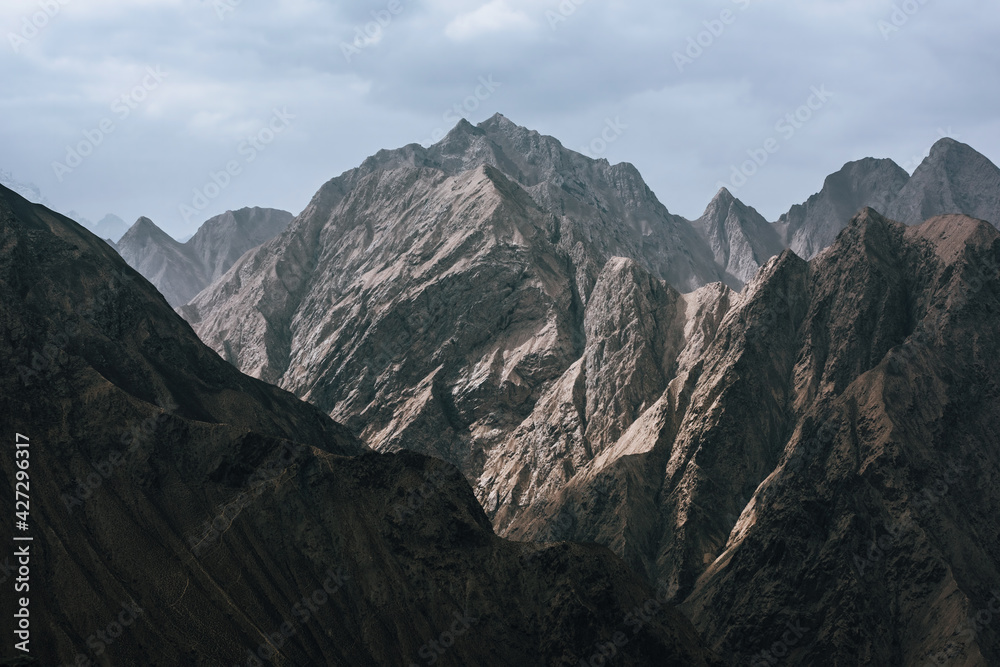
[(181, 270)]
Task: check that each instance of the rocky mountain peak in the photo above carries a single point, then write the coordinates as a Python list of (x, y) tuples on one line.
[(498, 120), (740, 238), (809, 227), (953, 178), (459, 139), (949, 157), (946, 146), (955, 236), (722, 198)]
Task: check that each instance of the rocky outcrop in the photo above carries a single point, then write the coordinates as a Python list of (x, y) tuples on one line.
[(828, 465), (185, 514), (181, 270)]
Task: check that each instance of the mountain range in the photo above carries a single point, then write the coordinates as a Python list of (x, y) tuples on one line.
[(533, 397), (110, 227), (185, 514), (541, 321)]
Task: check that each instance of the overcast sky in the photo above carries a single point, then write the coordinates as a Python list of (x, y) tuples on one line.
[(161, 94)]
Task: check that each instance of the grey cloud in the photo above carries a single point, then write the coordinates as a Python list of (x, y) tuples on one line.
[(686, 128)]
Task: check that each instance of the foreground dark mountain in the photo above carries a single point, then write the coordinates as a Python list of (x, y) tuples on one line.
[(218, 518), (181, 270)]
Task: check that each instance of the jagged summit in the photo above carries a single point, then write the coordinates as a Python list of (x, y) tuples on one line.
[(740, 238), (607, 208), (462, 128), (951, 155), (144, 225), (498, 119), (947, 146), (723, 196)]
